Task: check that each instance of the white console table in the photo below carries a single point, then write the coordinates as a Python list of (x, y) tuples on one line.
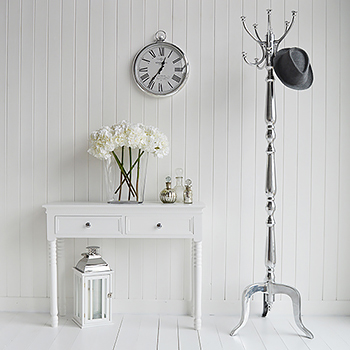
[(125, 221)]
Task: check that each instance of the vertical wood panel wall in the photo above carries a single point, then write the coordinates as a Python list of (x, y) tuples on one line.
[(65, 70)]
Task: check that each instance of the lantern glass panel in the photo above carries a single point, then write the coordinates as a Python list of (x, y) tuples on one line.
[(96, 299)]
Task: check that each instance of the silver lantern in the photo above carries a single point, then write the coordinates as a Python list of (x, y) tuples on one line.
[(92, 290)]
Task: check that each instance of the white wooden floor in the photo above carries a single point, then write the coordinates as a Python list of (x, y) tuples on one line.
[(24, 331)]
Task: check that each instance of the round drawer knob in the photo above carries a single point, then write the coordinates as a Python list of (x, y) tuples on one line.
[(159, 225), (88, 224)]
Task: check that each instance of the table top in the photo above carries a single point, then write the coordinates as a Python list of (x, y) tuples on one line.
[(101, 207)]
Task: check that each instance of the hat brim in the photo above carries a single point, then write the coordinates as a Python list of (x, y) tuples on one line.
[(280, 72)]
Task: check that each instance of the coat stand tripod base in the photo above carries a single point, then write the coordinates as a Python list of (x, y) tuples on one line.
[(269, 288)]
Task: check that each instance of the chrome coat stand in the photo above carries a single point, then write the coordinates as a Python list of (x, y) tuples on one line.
[(269, 288)]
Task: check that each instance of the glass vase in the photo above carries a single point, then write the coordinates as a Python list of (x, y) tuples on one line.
[(125, 175)]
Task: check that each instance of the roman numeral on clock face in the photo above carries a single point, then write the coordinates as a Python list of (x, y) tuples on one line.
[(151, 84), (179, 69), (161, 51), (144, 77), (160, 87), (151, 52), (177, 60), (145, 69), (176, 78)]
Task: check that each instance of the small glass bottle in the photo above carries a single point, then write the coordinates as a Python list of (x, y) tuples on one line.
[(167, 195), (188, 194), (179, 187)]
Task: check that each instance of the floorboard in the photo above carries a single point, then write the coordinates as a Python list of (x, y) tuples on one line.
[(325, 331), (188, 337), (287, 333), (102, 337), (66, 337), (224, 325), (27, 331), (209, 335), (250, 337), (148, 333), (128, 333), (32, 331), (168, 333), (341, 326), (268, 334), (46, 335)]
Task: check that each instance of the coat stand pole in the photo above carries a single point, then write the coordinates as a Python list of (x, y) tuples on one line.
[(269, 287)]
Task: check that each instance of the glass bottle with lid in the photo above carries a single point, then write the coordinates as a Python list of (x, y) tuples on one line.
[(167, 195), (179, 186), (188, 194)]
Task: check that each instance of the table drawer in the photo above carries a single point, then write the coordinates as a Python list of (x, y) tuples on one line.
[(159, 225), (88, 226)]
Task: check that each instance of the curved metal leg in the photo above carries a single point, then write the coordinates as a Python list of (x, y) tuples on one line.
[(296, 300), (265, 306), (246, 296)]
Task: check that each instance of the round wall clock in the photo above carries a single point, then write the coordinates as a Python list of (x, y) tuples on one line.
[(160, 68)]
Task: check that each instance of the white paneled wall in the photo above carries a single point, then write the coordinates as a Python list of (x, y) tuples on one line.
[(65, 70)]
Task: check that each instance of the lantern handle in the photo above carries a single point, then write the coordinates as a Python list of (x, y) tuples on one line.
[(92, 249)]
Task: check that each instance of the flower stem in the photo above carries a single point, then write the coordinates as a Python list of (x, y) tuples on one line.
[(121, 167), (131, 168), (121, 175), (130, 173), (138, 175)]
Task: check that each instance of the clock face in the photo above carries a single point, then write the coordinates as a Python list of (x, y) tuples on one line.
[(160, 69)]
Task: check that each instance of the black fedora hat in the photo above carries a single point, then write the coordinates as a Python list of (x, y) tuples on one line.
[(293, 68)]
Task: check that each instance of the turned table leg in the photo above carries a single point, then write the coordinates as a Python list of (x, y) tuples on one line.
[(197, 284), (61, 270), (53, 283)]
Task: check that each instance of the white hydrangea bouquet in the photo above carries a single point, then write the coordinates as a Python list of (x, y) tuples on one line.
[(124, 147)]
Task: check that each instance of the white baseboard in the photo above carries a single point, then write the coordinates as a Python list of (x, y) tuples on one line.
[(182, 307), (24, 304)]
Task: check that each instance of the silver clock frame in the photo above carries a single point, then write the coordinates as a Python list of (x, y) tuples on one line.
[(160, 37)]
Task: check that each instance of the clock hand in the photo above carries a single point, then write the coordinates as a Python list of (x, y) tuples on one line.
[(159, 70), (163, 64)]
